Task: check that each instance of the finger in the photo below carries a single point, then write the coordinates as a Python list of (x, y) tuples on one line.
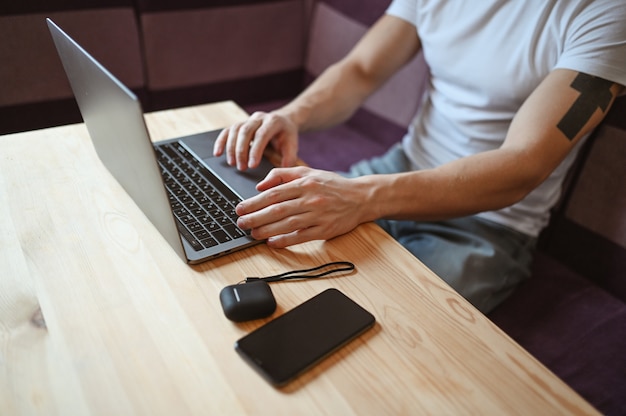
[(245, 136), (285, 225), (269, 130), (231, 142), (279, 176), (284, 139), (293, 238), (218, 146), (315, 231), (258, 210), (262, 137)]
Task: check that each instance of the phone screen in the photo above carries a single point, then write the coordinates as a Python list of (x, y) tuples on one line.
[(290, 344)]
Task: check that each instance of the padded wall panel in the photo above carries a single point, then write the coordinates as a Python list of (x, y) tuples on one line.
[(334, 33), (598, 200), (31, 70), (364, 12), (169, 5), (50, 6), (204, 46), (35, 92), (243, 91)]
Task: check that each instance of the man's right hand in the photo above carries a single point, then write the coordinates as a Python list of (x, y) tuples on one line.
[(244, 142)]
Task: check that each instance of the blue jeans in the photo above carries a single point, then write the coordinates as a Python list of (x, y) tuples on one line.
[(482, 260)]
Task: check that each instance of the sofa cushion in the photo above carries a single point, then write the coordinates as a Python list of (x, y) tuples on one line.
[(574, 328)]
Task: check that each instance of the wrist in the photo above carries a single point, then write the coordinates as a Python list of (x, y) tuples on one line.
[(298, 114), (371, 190)]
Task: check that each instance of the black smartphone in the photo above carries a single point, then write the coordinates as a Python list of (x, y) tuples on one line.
[(283, 348)]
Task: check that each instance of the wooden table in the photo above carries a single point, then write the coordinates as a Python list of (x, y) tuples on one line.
[(99, 316)]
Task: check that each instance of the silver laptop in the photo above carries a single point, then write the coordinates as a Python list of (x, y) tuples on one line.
[(189, 195)]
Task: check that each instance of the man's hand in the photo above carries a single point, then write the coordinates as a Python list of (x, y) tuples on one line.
[(245, 142), (331, 99), (302, 204)]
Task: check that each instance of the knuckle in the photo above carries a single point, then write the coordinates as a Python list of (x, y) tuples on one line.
[(292, 223), (257, 115), (257, 234), (274, 197), (245, 130), (278, 210), (310, 183), (241, 150), (235, 127)]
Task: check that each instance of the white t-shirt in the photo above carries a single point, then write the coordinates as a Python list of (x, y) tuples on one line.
[(485, 58)]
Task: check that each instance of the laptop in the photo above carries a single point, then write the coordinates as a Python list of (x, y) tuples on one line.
[(187, 193)]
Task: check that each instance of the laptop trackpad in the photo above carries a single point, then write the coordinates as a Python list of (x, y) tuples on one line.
[(243, 183)]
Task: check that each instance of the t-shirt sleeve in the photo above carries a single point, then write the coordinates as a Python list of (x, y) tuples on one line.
[(404, 9), (596, 41)]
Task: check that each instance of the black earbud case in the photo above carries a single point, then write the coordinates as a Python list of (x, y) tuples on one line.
[(247, 301)]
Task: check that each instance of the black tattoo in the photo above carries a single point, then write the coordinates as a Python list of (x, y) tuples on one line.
[(594, 93)]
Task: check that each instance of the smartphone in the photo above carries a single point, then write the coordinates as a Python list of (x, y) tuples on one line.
[(284, 348)]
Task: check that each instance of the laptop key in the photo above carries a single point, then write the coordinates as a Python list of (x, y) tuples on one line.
[(224, 221), (232, 214), (195, 227), (187, 219), (209, 242), (221, 236), (234, 231), (202, 235), (216, 213)]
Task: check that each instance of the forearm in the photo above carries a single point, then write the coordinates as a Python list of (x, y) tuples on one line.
[(341, 89), (331, 99), (483, 182), (535, 145)]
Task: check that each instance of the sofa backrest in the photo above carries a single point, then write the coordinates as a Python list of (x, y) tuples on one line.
[(588, 228), (193, 51), (171, 54), (34, 90), (210, 50)]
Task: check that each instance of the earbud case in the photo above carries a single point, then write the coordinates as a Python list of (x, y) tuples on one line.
[(247, 301)]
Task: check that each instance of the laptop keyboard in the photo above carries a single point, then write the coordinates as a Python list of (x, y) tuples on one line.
[(203, 206)]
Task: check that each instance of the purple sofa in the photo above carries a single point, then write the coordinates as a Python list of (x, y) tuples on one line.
[(571, 315)]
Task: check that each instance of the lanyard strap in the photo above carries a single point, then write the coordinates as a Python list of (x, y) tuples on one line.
[(324, 270)]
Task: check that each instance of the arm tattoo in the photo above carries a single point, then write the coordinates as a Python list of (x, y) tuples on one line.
[(594, 93)]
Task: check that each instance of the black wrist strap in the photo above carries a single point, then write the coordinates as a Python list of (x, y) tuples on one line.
[(323, 270)]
